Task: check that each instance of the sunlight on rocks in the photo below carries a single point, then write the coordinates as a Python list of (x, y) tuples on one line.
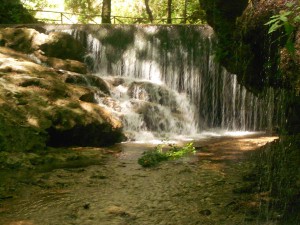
[(22, 222), (33, 121), (248, 144), (86, 106)]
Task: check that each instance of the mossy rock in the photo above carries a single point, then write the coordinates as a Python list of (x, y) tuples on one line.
[(38, 108), (63, 46), (14, 137), (19, 39), (88, 80)]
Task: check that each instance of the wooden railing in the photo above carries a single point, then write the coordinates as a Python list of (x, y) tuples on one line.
[(71, 18)]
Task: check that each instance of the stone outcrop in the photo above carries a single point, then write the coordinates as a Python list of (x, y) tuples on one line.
[(63, 46), (57, 50), (246, 49), (88, 80), (38, 107)]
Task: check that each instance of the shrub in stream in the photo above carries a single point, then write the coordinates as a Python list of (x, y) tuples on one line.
[(158, 154)]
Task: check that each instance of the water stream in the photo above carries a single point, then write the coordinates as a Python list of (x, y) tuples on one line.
[(194, 190), (178, 63)]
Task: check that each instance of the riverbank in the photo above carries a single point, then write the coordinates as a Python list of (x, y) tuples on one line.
[(208, 188)]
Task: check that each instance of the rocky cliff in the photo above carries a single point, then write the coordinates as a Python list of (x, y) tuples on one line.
[(45, 94), (262, 60), (259, 59)]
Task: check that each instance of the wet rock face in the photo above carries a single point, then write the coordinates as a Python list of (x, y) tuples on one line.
[(88, 80), (146, 91), (270, 62), (222, 15), (229, 10), (259, 59), (245, 46)]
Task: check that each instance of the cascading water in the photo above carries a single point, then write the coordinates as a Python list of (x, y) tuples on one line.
[(175, 61), (148, 109)]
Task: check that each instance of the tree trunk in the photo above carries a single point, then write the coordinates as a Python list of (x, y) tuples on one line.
[(106, 10), (169, 18), (185, 12), (149, 12)]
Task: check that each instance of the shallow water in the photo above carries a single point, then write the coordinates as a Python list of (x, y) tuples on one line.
[(194, 190)]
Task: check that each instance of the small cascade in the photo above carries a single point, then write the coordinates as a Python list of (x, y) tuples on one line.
[(181, 59), (148, 110)]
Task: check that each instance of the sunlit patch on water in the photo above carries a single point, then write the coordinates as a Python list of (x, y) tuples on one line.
[(240, 133), (146, 137)]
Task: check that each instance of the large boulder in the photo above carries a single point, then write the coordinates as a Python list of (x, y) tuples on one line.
[(62, 64), (63, 46), (38, 108), (21, 39), (57, 50), (85, 125)]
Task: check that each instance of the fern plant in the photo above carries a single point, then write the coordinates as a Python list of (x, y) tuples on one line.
[(288, 19)]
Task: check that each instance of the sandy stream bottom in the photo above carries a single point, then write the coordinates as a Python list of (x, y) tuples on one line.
[(118, 191)]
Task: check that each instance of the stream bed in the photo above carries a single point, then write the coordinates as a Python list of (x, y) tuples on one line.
[(113, 189)]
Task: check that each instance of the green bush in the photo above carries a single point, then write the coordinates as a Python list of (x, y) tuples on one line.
[(154, 157), (288, 19), (13, 12), (175, 152)]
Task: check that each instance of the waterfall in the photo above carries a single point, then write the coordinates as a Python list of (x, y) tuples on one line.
[(180, 59)]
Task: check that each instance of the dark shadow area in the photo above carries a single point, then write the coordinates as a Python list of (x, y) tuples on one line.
[(89, 135), (272, 181)]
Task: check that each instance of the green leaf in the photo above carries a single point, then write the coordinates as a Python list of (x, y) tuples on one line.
[(288, 28), (283, 18), (297, 19), (272, 21), (285, 13), (290, 47), (290, 4), (275, 16), (275, 27)]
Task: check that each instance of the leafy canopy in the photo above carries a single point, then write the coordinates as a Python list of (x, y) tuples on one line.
[(88, 11)]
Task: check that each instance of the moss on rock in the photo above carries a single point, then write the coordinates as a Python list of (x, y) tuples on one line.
[(39, 108), (259, 59), (63, 46)]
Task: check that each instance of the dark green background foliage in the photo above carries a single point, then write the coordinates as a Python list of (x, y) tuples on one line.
[(13, 12)]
